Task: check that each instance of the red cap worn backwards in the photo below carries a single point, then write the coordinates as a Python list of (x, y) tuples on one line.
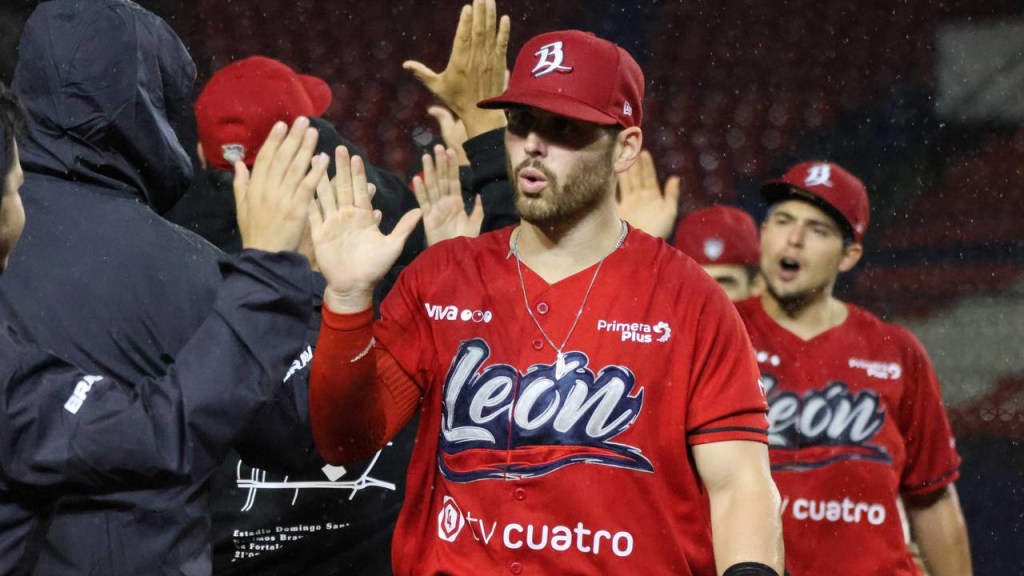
[(828, 186), (719, 235), (577, 75), (243, 100)]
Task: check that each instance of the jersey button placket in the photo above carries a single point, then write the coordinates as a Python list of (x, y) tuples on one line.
[(538, 345), (515, 568), (519, 494), (542, 308)]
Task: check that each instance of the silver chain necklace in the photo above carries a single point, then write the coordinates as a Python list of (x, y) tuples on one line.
[(560, 368)]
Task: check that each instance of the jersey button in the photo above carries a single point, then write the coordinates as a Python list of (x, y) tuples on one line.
[(538, 345), (516, 568), (519, 494), (542, 308)]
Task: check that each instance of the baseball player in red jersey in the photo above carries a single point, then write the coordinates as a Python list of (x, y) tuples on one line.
[(856, 416), (590, 403), (723, 240)]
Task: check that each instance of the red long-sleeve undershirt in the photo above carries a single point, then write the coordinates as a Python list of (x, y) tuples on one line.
[(359, 397)]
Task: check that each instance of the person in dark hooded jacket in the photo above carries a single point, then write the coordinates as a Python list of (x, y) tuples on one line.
[(101, 280), (321, 520), (267, 520), (61, 428), (324, 520)]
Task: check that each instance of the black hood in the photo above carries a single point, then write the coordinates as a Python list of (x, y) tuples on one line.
[(103, 83), (330, 139)]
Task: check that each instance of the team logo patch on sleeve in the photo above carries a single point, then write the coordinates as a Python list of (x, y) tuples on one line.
[(498, 423)]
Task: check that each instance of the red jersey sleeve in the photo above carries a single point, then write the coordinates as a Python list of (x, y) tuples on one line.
[(932, 461), (403, 329), (727, 401), (359, 398)]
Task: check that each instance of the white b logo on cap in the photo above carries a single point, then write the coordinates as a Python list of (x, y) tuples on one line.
[(549, 59), (819, 175)]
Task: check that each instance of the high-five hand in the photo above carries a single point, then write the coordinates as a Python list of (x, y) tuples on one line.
[(475, 70), (273, 202), (453, 131), (439, 194), (643, 204), (351, 251)]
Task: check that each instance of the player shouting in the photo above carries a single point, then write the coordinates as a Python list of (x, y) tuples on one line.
[(856, 417)]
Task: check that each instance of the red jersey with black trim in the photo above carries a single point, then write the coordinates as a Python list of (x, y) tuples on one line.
[(856, 421), (523, 468)]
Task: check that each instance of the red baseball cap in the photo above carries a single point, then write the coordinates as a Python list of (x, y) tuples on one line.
[(243, 100), (577, 75), (719, 235), (826, 185)]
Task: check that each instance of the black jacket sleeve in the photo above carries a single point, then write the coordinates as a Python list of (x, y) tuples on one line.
[(489, 166), (64, 429), (279, 438)]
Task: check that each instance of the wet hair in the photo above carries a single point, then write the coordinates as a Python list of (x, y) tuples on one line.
[(12, 122)]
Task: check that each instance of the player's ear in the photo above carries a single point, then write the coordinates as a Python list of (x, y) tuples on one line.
[(628, 144), (852, 253)]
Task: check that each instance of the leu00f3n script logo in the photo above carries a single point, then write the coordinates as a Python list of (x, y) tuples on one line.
[(499, 423), (823, 426)]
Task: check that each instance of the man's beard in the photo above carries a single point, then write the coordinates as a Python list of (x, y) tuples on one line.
[(586, 187), (796, 300)]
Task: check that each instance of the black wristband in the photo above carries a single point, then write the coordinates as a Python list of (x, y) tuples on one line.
[(750, 569)]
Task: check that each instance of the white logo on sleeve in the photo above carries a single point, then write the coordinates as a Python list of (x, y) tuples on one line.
[(549, 59), (305, 357), (819, 175), (81, 391)]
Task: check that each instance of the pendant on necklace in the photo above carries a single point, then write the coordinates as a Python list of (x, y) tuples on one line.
[(560, 369)]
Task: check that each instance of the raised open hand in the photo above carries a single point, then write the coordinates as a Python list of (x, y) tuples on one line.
[(453, 131), (439, 194), (475, 70), (643, 204), (272, 203), (352, 253)]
